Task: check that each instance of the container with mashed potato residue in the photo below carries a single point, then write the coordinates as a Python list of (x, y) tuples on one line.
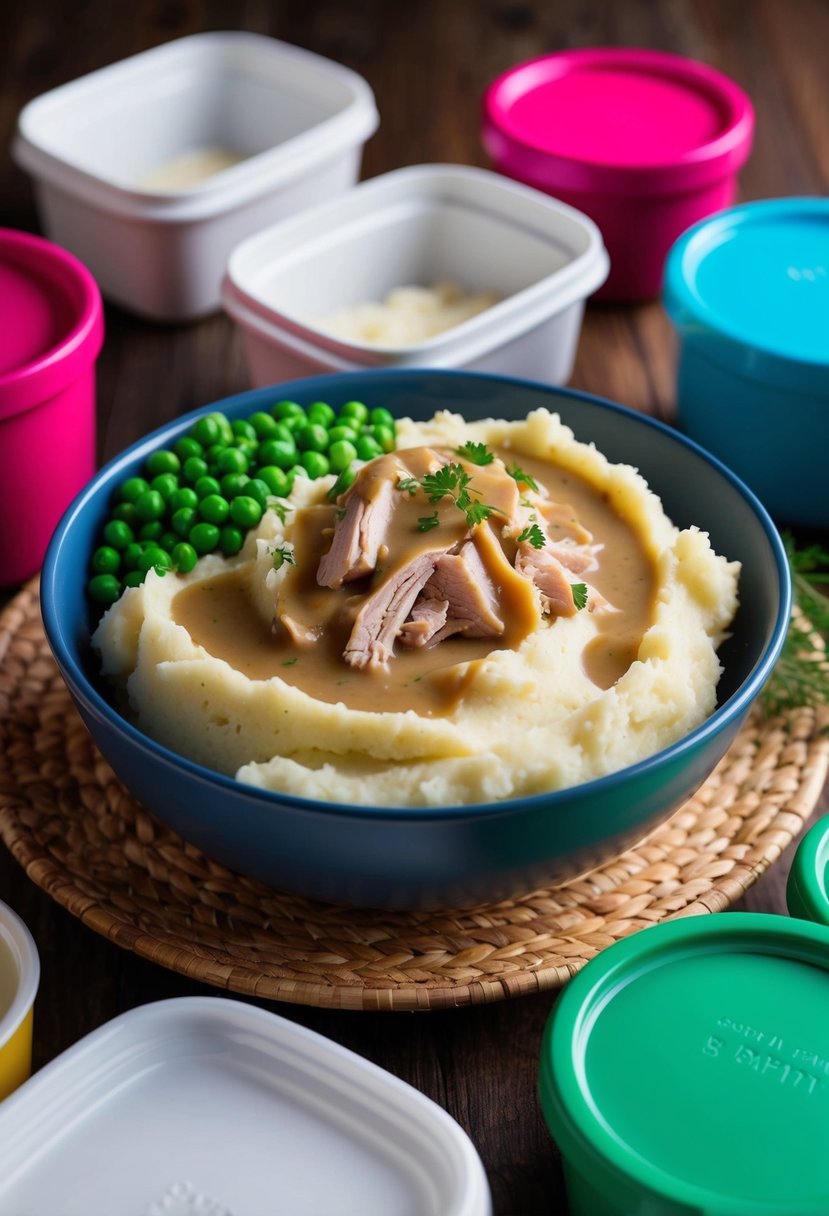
[(428, 266), (19, 978), (151, 170)]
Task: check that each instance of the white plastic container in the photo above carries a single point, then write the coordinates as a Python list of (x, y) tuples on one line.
[(419, 226), (211, 1106), (298, 120)]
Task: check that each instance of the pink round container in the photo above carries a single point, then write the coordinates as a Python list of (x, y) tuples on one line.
[(644, 143), (53, 329)]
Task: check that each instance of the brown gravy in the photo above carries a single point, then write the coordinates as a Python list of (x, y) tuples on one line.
[(219, 616)]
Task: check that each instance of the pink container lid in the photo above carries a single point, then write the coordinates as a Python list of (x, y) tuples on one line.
[(617, 120), (53, 324)]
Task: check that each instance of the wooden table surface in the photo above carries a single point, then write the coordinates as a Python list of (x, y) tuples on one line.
[(428, 63)]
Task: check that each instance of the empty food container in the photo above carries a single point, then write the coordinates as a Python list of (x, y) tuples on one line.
[(417, 227), (52, 333), (152, 169), (643, 142), (210, 1106), (748, 293), (685, 1071), (19, 977)]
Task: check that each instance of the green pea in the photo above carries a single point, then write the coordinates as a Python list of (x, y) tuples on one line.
[(118, 534), (345, 479), (278, 452), (168, 540), (104, 589), (385, 437), (288, 409), (275, 479), (132, 489), (131, 555), (242, 429), (184, 557), (165, 483), (163, 461), (183, 521), (214, 509), (315, 464), (206, 430), (213, 453), (321, 412), (151, 530), (223, 423), (149, 505), (312, 438), (354, 409), (106, 560), (342, 432), (134, 578), (341, 454), (233, 484), (231, 540), (294, 422), (194, 467), (204, 537), (263, 424), (380, 416), (185, 497), (258, 489), (126, 512), (154, 556), (186, 447), (206, 486), (245, 511), (368, 447), (233, 460)]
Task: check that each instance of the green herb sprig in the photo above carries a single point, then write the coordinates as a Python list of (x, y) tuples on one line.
[(801, 674), (453, 482), (579, 591)]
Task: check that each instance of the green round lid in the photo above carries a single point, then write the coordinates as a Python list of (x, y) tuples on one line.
[(689, 1064), (806, 890)]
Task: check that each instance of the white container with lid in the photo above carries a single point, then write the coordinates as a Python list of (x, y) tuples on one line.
[(297, 122), (211, 1106), (419, 226)]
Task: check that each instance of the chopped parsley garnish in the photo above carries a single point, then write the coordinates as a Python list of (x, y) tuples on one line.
[(535, 536), (426, 522), (523, 479), (475, 453), (449, 481), (579, 591), (283, 555), (290, 663)]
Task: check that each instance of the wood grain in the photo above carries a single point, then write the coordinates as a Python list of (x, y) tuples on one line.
[(428, 64)]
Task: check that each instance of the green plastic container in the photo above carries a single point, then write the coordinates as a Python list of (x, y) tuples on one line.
[(806, 892), (686, 1070)]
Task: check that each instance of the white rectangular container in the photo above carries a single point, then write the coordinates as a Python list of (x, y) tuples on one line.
[(298, 121), (416, 227), (211, 1106)]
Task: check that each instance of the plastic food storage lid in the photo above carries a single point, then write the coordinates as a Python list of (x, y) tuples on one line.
[(691, 1061), (617, 120), (211, 1106), (807, 891), (52, 320), (757, 278)]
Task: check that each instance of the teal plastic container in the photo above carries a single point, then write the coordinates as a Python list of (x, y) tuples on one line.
[(685, 1070), (748, 293), (806, 891)]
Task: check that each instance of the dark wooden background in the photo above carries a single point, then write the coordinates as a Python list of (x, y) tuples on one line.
[(428, 62)]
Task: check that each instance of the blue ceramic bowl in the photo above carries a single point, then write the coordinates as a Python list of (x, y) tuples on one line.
[(437, 856), (748, 293)]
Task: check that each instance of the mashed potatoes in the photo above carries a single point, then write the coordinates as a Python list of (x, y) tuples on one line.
[(531, 717)]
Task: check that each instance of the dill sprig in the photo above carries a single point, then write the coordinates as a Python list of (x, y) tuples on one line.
[(801, 674)]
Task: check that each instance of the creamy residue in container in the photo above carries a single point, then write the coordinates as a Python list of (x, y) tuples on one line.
[(408, 314), (189, 168)]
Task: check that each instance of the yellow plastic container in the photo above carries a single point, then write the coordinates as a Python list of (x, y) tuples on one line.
[(19, 977)]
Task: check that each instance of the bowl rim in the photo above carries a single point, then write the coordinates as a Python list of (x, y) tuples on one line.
[(737, 704), (17, 938)]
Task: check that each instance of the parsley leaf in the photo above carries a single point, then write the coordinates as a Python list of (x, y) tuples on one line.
[(477, 512), (536, 538), (579, 591), (523, 479), (476, 453), (426, 522), (410, 484), (283, 555)]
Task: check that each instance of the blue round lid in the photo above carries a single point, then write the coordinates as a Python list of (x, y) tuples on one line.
[(753, 282)]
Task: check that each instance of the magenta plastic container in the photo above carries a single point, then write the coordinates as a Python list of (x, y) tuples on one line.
[(644, 143), (53, 329)]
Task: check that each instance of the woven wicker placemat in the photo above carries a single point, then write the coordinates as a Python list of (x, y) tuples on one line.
[(81, 837)]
